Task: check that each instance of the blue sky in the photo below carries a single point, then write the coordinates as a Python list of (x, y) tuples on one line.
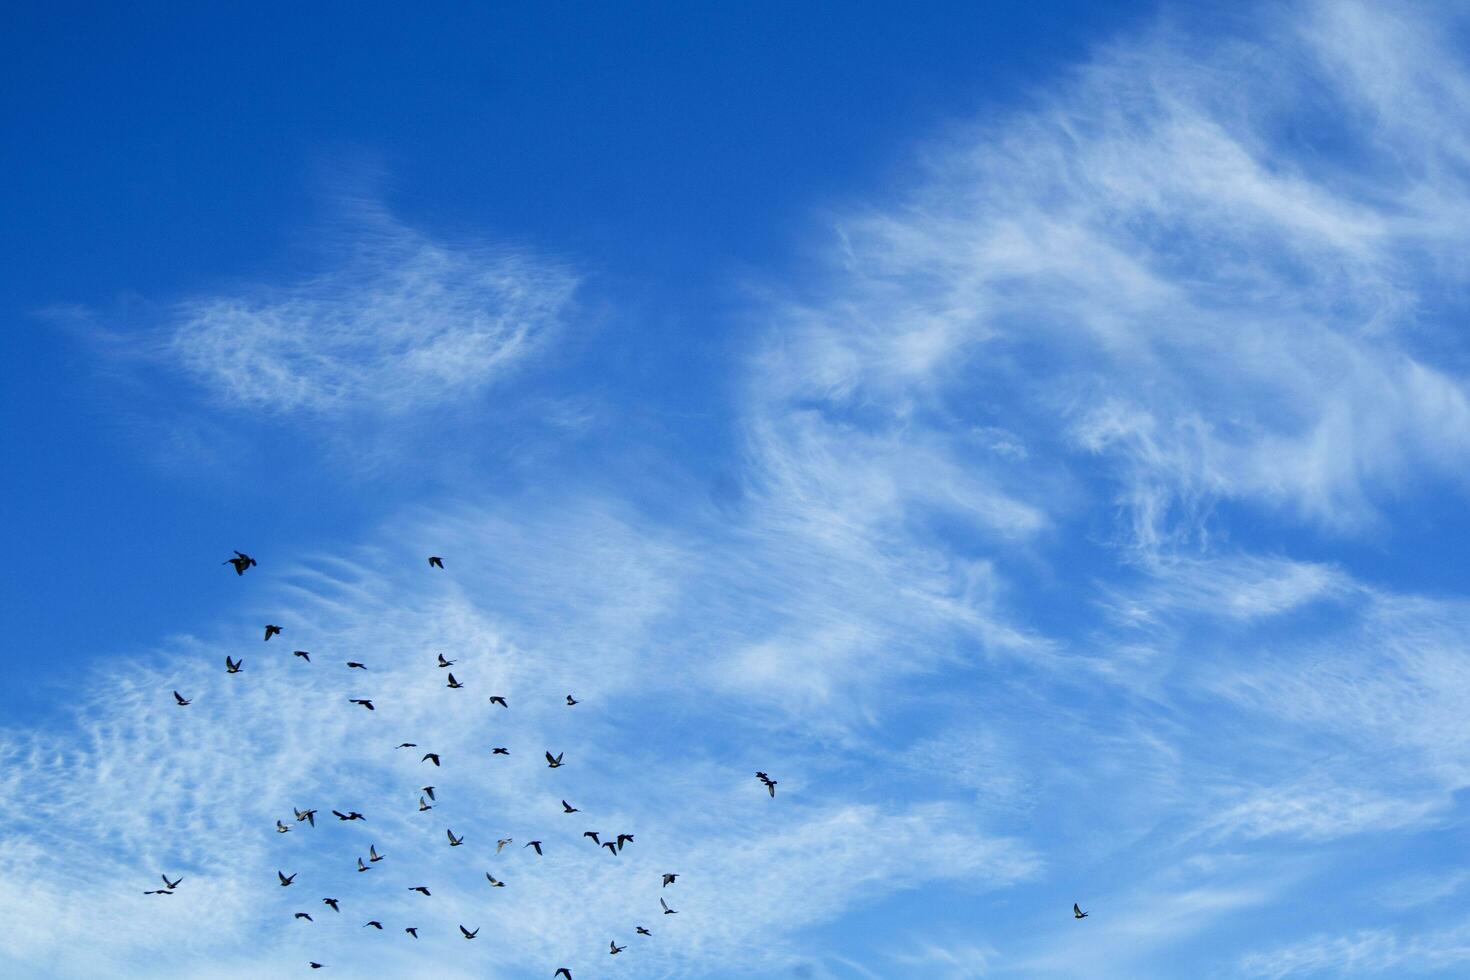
[(1037, 438)]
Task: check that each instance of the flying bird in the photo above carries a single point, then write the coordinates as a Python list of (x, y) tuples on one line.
[(303, 915), (285, 880), (373, 854), (233, 666), (332, 902), (374, 923), (407, 745), (307, 815), (435, 561), (624, 839), (568, 808), (454, 841), (1077, 913), (536, 844), (497, 699), (241, 561), (362, 867), (446, 663), (616, 949), (500, 750), (181, 699), (593, 835), (667, 910), (424, 805), (468, 934), (494, 882), (562, 972), (572, 700), (454, 683), (350, 815), (668, 880), (500, 844), (282, 828), (412, 931), (353, 663), (431, 757), (641, 931), (421, 890), (365, 702), (770, 783), (611, 847), (158, 891), (304, 655), (315, 965), (428, 789), (271, 629), (554, 761), (171, 885)]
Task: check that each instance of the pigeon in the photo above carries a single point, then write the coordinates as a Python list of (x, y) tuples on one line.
[(668, 880), (431, 757), (454, 841), (158, 891), (641, 931), (406, 745), (285, 880), (424, 805), (468, 934), (373, 854), (446, 663), (562, 972), (365, 702), (315, 965), (500, 844), (303, 654), (422, 890), (271, 629), (536, 844), (769, 782), (497, 699), (453, 683), (1077, 913), (241, 561), (494, 882), (667, 910), (181, 699), (362, 867), (554, 761), (611, 847), (593, 835), (303, 915), (282, 828), (412, 931), (307, 815), (353, 663), (435, 561), (171, 885), (374, 923), (350, 815), (428, 789), (500, 751), (624, 839), (616, 949), (233, 666), (332, 902), (571, 700)]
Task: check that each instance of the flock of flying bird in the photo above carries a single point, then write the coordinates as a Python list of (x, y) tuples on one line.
[(242, 562)]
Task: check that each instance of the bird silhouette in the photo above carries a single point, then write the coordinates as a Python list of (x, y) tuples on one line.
[(562, 972), (641, 931), (454, 841), (412, 931), (436, 562), (572, 700), (308, 815), (611, 847), (668, 880), (424, 805), (373, 854), (554, 761), (615, 948), (282, 828), (468, 934), (593, 835), (303, 915), (497, 699), (427, 789), (241, 561), (233, 666), (171, 885), (1077, 913), (568, 808), (453, 683), (500, 844), (284, 879), (420, 889), (667, 910), (446, 663), (349, 815), (315, 965), (365, 702), (374, 923), (500, 750), (494, 882), (362, 867), (624, 839), (770, 783), (354, 664), (181, 699), (271, 629), (304, 655), (332, 902), (536, 844), (431, 757), (158, 891)]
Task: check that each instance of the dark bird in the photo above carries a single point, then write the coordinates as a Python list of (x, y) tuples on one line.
[(181, 699), (282, 828), (420, 889), (303, 915), (499, 750), (241, 561), (624, 839), (428, 789), (304, 655), (349, 815), (611, 847), (667, 910), (353, 663), (668, 880), (770, 783), (171, 885), (1077, 913), (494, 882), (233, 666), (315, 965), (593, 835), (500, 844), (616, 949), (271, 629), (374, 923), (497, 699), (412, 931), (373, 854), (435, 561), (431, 757), (572, 700), (446, 663), (568, 808), (562, 972), (285, 880), (641, 931), (454, 683), (424, 805), (307, 815), (365, 702), (536, 844), (158, 891), (454, 841), (362, 867), (332, 902), (468, 934), (407, 745), (554, 761)]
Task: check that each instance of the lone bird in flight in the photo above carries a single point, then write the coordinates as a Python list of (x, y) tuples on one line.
[(554, 762), (641, 931), (374, 923), (667, 910), (304, 655), (406, 745), (158, 891), (568, 808), (593, 835), (412, 931), (282, 828), (497, 699), (241, 561), (315, 965), (668, 880), (453, 840), (332, 902), (303, 915), (494, 882), (562, 972), (616, 949), (770, 783), (349, 815), (431, 757), (353, 663), (181, 699), (420, 889), (500, 750), (454, 683), (446, 663), (435, 561), (271, 629), (307, 815), (536, 844), (1077, 913), (233, 666), (468, 934), (285, 880), (365, 702), (373, 854), (500, 844), (571, 700)]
